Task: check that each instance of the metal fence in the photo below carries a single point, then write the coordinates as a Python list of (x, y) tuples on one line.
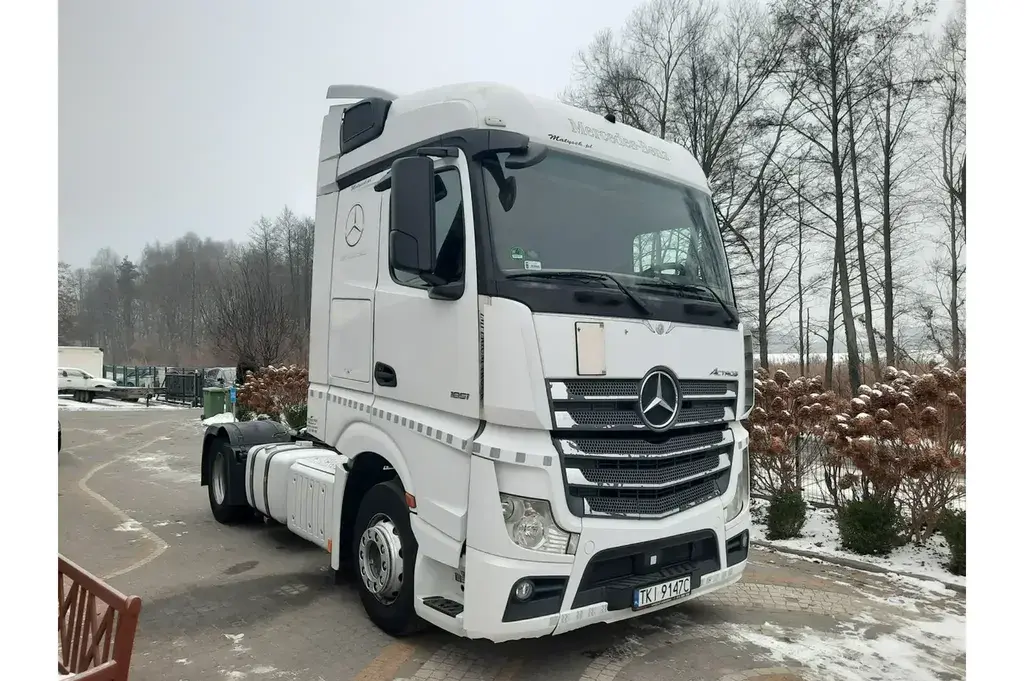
[(135, 376), (184, 387)]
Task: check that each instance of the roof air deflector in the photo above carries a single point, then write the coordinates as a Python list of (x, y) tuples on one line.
[(350, 91)]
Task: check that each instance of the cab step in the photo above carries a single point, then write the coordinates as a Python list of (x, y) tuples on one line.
[(443, 605)]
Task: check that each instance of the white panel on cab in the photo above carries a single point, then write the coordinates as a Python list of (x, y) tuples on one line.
[(351, 339), (590, 349)]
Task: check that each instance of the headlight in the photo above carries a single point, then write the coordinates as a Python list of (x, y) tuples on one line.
[(530, 525), (742, 494)]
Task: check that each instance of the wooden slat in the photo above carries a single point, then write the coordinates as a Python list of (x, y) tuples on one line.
[(96, 625)]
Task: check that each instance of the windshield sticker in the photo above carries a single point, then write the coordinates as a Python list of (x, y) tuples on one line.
[(532, 264), (518, 253)]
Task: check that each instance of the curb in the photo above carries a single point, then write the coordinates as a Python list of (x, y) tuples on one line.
[(856, 565)]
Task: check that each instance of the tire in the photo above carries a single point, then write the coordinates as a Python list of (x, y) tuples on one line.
[(383, 515), (220, 465)]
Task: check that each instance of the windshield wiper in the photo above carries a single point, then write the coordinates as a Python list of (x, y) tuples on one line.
[(586, 276), (693, 287)]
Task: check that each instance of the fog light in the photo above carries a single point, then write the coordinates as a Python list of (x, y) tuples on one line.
[(523, 590)]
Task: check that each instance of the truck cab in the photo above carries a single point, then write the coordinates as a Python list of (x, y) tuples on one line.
[(526, 361)]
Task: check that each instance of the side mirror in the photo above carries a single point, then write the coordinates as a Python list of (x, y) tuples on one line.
[(413, 224)]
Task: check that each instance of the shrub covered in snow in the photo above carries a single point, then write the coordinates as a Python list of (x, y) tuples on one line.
[(276, 392)]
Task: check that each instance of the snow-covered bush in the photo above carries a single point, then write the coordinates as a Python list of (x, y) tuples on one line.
[(276, 392)]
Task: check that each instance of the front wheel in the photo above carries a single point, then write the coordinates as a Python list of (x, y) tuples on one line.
[(220, 471), (385, 556)]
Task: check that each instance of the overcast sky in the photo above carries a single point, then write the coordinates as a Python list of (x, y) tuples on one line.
[(202, 115)]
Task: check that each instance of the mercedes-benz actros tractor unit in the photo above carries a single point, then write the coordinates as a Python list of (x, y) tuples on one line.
[(527, 373)]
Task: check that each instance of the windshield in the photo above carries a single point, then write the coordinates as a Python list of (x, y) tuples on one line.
[(571, 213)]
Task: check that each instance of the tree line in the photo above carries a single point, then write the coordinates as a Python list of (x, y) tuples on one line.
[(196, 302), (833, 134)]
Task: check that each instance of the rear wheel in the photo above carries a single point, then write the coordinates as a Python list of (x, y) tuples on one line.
[(220, 473), (384, 553)]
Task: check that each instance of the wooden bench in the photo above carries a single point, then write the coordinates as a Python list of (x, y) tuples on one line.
[(96, 624)]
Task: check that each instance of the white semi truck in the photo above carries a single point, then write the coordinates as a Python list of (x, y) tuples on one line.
[(526, 371)]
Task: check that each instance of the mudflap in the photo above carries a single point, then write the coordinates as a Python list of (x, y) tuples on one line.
[(240, 437)]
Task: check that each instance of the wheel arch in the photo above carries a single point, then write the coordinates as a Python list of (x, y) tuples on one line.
[(240, 436), (378, 459)]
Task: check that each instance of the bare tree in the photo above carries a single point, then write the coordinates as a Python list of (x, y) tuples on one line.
[(251, 318), (777, 259), (947, 330), (902, 82), (838, 46), (687, 72)]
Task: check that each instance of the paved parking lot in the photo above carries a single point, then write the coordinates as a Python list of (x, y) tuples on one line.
[(254, 602)]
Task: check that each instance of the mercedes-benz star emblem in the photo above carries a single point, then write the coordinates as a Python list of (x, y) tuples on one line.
[(354, 226), (659, 399)]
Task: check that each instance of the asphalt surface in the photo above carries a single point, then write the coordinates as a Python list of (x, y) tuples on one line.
[(255, 602)]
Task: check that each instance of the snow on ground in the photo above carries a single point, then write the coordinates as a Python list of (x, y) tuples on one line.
[(104, 404), (820, 534), (226, 417), (860, 650)]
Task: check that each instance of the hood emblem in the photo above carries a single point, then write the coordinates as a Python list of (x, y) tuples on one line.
[(659, 399)]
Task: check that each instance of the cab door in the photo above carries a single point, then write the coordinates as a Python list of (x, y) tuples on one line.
[(427, 351)]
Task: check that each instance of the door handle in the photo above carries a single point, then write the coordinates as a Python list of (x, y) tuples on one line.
[(385, 375)]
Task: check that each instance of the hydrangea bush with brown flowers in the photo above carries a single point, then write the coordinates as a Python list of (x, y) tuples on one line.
[(906, 435), (786, 427), (276, 393)]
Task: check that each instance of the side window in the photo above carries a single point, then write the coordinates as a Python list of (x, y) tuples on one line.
[(64, 374), (450, 246)]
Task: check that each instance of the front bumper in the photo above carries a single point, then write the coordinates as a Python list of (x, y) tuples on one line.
[(609, 564)]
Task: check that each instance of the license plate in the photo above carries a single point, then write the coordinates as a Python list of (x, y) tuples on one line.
[(647, 596)]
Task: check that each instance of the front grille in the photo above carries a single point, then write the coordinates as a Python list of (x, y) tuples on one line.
[(622, 447), (652, 503), (615, 466), (611, 414), (613, 404), (624, 387), (656, 472)]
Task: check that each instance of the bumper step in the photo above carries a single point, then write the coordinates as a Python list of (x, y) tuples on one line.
[(443, 605)]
